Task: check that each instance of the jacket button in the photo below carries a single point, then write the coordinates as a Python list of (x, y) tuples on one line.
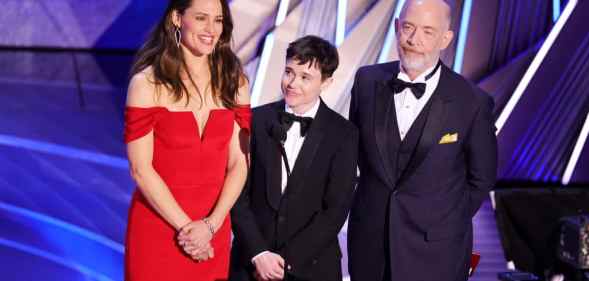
[(314, 262), (289, 268), (281, 219), (395, 192)]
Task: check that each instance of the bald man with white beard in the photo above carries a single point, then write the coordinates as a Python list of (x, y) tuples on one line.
[(427, 157)]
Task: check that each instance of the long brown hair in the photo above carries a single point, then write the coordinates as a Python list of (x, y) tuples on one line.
[(167, 60)]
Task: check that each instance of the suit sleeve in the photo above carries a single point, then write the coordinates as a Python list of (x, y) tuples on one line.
[(354, 107), (481, 155), (245, 227), (325, 226), (353, 112)]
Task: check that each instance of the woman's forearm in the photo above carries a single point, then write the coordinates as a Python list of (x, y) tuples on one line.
[(155, 190), (234, 182), (235, 177)]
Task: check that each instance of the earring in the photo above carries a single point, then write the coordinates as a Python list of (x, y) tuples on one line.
[(177, 36)]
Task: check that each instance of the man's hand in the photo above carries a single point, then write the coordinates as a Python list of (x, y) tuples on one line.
[(269, 266)]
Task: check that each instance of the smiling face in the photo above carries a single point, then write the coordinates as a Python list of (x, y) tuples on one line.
[(302, 84), (422, 33), (201, 26)]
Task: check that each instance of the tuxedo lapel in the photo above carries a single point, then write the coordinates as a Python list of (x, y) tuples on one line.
[(386, 131), (309, 149), (273, 161), (436, 119)]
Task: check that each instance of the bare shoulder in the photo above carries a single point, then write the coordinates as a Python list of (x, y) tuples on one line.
[(142, 89), (243, 93)]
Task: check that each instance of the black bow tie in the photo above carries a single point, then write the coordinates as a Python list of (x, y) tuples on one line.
[(418, 89), (399, 85), (286, 119)]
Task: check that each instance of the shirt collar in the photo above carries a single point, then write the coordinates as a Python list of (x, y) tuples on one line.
[(420, 79), (310, 113)]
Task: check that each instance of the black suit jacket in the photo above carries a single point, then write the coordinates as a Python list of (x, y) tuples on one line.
[(419, 222), (302, 225)]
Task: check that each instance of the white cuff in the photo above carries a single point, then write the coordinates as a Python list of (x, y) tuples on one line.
[(258, 255)]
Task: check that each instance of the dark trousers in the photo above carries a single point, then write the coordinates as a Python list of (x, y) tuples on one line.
[(288, 277)]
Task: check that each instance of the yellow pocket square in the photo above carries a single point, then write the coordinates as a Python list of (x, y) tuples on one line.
[(449, 138)]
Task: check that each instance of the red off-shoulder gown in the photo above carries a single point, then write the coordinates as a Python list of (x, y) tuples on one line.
[(193, 167)]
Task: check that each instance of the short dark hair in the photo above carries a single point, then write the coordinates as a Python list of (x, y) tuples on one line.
[(316, 50)]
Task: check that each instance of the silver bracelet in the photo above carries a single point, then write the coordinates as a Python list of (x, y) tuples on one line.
[(209, 225)]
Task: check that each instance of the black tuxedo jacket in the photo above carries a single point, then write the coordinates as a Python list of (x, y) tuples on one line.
[(417, 225), (302, 225)]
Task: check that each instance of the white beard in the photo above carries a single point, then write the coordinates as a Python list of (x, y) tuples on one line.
[(413, 64), (417, 63)]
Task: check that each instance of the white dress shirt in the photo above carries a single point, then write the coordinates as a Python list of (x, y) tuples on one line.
[(292, 146), (407, 106), (294, 141)]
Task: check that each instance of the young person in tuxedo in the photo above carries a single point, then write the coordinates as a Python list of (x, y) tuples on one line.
[(428, 157), (301, 180)]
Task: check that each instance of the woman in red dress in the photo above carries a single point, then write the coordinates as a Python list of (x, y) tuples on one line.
[(187, 124)]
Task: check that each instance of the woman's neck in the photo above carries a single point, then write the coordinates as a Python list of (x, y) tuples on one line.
[(196, 66)]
